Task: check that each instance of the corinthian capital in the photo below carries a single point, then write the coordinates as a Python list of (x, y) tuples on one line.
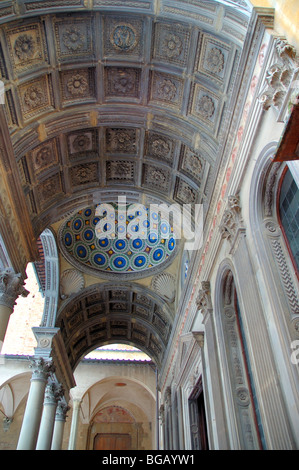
[(203, 300), (231, 220), (11, 286), (41, 369)]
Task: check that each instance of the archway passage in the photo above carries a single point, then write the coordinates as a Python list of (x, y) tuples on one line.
[(109, 313)]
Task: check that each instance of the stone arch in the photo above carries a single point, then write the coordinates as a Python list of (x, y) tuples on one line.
[(51, 272), (277, 280), (267, 235)]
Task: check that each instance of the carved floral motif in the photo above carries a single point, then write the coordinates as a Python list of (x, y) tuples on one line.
[(172, 45), (121, 140), (24, 47), (73, 39), (166, 90), (33, 96), (81, 142), (206, 107), (77, 85), (215, 60)]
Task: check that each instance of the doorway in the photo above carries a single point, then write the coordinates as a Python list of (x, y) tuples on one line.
[(198, 424)]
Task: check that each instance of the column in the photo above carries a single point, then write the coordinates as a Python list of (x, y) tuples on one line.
[(74, 425), (60, 418), (11, 286), (34, 406), (52, 393)]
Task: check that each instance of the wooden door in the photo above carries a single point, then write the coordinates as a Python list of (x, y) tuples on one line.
[(112, 442)]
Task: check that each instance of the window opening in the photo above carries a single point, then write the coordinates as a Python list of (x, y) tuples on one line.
[(288, 215)]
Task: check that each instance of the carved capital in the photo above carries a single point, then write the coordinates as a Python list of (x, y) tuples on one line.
[(279, 75), (231, 219), (203, 301), (168, 396), (53, 393), (41, 369), (11, 286), (61, 411)]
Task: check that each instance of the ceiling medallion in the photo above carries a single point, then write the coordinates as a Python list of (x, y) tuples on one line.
[(140, 247), (124, 37)]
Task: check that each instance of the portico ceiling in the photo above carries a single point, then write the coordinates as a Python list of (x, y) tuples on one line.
[(130, 98), (107, 98)]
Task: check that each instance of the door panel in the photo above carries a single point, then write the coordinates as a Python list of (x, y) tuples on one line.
[(112, 442)]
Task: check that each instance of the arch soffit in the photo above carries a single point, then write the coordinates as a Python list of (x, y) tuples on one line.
[(115, 313)]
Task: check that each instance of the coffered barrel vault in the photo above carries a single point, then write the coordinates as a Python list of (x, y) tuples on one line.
[(103, 102), (112, 312), (126, 101)]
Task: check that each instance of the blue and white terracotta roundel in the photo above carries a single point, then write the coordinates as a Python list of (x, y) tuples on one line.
[(148, 244)]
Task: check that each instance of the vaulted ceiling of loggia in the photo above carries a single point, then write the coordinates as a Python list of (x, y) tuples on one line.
[(126, 100)]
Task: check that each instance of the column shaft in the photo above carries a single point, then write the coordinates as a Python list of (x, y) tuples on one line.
[(34, 406), (44, 440), (59, 426), (5, 313), (74, 425)]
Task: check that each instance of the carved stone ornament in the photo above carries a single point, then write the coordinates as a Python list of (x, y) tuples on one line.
[(172, 45), (278, 76), (215, 60), (41, 369), (53, 393), (162, 414), (231, 219), (203, 300), (61, 411), (11, 286), (73, 38), (71, 282), (24, 47)]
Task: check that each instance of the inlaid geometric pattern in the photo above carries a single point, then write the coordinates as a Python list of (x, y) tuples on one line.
[(127, 243)]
